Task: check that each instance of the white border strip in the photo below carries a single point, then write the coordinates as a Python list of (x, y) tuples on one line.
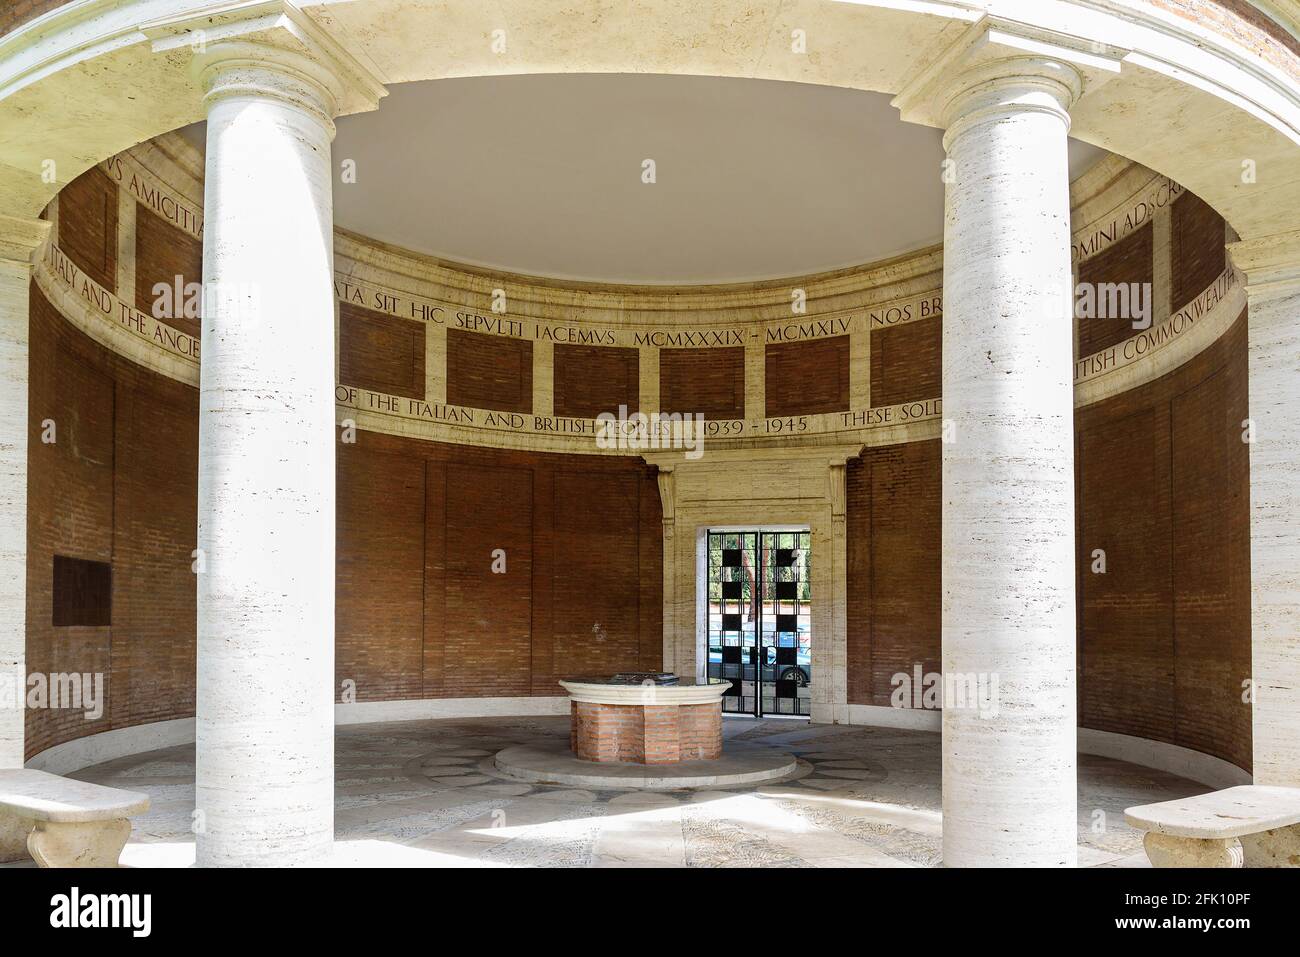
[(423, 709), (1184, 762), (1144, 752), (909, 719), (122, 742), (110, 745)]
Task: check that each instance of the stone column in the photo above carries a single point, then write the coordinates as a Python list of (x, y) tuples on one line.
[(265, 705), (1272, 266), (19, 239), (1008, 478)]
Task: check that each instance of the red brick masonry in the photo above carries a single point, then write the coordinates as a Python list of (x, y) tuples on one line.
[(646, 734)]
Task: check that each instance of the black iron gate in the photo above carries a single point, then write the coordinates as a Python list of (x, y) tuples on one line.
[(760, 620)]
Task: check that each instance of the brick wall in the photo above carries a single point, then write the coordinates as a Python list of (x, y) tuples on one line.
[(380, 352), (420, 611), (14, 13), (1129, 261), (709, 382), (893, 524), (907, 362), (1246, 24), (116, 485), (1198, 248), (489, 372), (807, 378), (163, 252), (1163, 490), (652, 734), (88, 225), (589, 380), (579, 580)]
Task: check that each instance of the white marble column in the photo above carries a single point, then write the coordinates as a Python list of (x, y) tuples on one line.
[(1008, 477), (1272, 267), (265, 709), (19, 239)]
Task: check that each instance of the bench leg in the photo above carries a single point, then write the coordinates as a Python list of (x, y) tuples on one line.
[(84, 844), (1166, 851), (1279, 847), (13, 837)]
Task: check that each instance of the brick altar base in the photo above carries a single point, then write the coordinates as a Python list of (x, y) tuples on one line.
[(645, 734)]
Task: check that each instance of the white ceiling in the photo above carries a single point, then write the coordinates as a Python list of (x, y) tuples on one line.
[(542, 175)]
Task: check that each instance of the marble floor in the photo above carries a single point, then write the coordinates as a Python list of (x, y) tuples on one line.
[(425, 794)]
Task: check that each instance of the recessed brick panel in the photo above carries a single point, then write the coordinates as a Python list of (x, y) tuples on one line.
[(893, 515), (379, 597), (906, 362), (1211, 538), (596, 611), (489, 372), (1127, 264), (708, 382), (1199, 253), (807, 378), (381, 353), (88, 225), (488, 627), (590, 380), (162, 253), (1126, 674)]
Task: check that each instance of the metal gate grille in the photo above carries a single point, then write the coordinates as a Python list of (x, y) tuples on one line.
[(760, 619)]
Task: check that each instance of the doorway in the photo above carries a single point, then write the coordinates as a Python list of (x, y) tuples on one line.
[(759, 619)]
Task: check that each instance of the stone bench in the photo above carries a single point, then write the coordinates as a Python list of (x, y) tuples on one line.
[(62, 822), (1252, 825)]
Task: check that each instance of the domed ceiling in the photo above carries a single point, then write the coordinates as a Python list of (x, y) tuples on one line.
[(544, 175)]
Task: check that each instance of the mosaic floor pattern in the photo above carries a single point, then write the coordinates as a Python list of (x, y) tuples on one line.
[(425, 793)]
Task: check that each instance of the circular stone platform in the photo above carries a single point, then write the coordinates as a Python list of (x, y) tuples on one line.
[(554, 763)]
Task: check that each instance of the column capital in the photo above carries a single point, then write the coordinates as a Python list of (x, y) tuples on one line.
[(999, 67), (271, 49), (1271, 264), (20, 238), (1005, 87)]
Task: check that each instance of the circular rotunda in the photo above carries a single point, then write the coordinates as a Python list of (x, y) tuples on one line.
[(925, 373)]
